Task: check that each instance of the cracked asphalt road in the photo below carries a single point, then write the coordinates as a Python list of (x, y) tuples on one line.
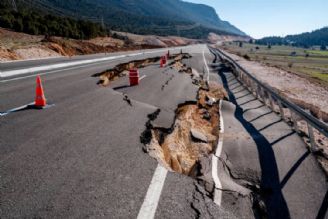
[(82, 158), (264, 155)]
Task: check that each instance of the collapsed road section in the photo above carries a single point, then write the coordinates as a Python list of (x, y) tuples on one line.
[(193, 135), (182, 134)]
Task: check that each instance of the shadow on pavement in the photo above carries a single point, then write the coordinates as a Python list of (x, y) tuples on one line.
[(270, 187), (323, 209)]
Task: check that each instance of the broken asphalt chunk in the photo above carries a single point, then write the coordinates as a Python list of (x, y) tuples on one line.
[(198, 136)]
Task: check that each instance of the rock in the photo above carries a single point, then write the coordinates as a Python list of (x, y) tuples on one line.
[(207, 116), (198, 136), (210, 101)]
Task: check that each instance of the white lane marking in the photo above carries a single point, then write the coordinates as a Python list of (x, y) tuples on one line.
[(207, 69), (220, 144), (49, 72), (215, 158), (217, 182), (149, 206), (64, 69), (55, 66), (15, 109), (10, 73), (142, 77)]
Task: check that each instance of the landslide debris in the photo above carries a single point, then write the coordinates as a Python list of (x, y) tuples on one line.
[(193, 135)]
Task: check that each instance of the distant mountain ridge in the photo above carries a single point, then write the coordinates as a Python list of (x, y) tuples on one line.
[(142, 16), (315, 38)]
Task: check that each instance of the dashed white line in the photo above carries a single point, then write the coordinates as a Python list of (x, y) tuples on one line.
[(149, 206)]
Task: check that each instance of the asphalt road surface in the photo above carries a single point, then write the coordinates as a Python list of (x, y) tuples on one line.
[(82, 157)]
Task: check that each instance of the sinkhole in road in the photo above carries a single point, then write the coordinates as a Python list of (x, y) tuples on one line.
[(122, 69), (193, 135)]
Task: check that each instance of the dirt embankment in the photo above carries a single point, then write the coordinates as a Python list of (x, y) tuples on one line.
[(20, 46), (218, 39)]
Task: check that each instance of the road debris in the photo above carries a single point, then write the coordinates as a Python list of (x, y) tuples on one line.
[(127, 99)]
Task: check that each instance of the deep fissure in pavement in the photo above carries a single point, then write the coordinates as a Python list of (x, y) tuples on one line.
[(122, 69), (193, 135)]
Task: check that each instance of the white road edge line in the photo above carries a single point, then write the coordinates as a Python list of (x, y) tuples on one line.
[(215, 157), (207, 69), (149, 206)]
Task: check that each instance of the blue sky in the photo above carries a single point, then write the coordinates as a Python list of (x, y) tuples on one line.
[(260, 18)]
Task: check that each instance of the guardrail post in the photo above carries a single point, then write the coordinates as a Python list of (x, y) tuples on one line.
[(282, 113), (271, 103), (294, 119), (241, 76), (311, 136), (275, 99), (257, 91), (266, 98)]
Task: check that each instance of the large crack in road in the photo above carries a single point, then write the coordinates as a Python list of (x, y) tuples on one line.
[(187, 146), (193, 135), (122, 69)]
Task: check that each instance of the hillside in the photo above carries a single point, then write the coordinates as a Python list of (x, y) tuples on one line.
[(160, 17), (20, 46), (314, 38)]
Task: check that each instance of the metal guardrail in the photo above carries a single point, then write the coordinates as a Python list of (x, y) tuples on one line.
[(269, 95)]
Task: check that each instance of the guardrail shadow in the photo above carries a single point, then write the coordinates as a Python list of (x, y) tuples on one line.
[(270, 187), (323, 209)]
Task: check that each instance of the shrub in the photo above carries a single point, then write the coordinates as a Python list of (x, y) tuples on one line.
[(247, 57), (290, 64)]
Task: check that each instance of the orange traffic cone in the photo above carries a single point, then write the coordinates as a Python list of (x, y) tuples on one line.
[(40, 100)]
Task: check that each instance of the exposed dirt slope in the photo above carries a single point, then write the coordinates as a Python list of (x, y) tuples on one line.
[(19, 46), (218, 39)]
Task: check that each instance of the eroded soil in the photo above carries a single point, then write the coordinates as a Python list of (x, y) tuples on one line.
[(193, 135)]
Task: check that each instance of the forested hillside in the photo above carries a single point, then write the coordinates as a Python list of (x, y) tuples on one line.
[(159, 17), (37, 23)]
